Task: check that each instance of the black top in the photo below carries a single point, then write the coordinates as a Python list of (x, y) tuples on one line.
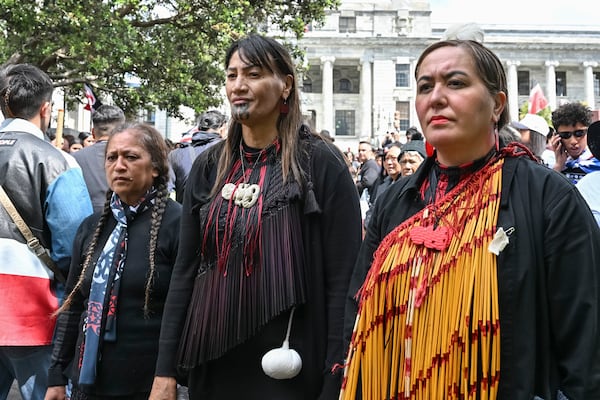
[(331, 239), (547, 279), (127, 365)]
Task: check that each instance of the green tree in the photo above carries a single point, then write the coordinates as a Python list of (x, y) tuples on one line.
[(173, 48), (545, 113)]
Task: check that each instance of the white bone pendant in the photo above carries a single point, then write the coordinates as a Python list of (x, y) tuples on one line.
[(246, 195), (283, 362), (227, 191)]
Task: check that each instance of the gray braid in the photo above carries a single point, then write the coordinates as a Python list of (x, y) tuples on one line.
[(158, 211)]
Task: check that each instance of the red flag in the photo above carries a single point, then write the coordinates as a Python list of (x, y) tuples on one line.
[(537, 100), (92, 102)]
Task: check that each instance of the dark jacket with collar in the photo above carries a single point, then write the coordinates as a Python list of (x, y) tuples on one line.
[(181, 159), (548, 279), (331, 236), (91, 161), (127, 365)]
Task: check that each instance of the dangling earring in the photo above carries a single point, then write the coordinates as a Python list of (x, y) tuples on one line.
[(429, 149), (496, 136), (284, 108)]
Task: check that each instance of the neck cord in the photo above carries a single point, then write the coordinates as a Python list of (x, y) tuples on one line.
[(242, 161)]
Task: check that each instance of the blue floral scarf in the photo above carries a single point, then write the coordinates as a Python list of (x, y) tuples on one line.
[(102, 308)]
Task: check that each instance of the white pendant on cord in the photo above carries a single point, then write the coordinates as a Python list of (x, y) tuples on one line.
[(244, 195), (283, 362)]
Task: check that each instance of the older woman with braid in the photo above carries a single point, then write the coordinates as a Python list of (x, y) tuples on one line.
[(108, 327)]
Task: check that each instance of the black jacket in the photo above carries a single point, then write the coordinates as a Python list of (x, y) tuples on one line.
[(368, 173), (181, 159), (331, 237), (127, 365), (548, 279)]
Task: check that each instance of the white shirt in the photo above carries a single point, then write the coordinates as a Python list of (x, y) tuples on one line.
[(589, 187)]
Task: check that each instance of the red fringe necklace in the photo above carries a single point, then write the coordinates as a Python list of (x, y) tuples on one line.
[(428, 319), (252, 265)]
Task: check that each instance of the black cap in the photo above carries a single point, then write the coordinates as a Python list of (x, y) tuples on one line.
[(593, 139), (415, 145)]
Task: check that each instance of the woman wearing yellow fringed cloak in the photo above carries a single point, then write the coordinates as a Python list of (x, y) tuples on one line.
[(478, 276)]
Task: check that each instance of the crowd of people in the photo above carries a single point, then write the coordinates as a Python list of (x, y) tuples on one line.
[(257, 260)]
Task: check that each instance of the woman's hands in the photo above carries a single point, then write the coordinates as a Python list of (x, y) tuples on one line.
[(163, 388)]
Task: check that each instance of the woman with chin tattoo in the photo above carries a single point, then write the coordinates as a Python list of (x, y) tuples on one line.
[(270, 232)]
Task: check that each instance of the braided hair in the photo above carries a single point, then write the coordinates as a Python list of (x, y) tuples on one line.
[(152, 141)]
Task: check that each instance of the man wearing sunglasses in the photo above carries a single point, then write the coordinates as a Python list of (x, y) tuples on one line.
[(573, 158)]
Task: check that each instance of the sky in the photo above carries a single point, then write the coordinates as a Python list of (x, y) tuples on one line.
[(520, 12)]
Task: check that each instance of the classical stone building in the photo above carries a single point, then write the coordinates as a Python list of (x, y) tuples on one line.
[(359, 81), (359, 77)]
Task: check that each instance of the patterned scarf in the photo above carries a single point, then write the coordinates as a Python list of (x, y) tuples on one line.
[(102, 309), (586, 161)]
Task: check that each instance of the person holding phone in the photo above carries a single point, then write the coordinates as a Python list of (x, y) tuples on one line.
[(573, 157)]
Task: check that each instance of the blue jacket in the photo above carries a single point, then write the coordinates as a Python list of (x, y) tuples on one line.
[(50, 194)]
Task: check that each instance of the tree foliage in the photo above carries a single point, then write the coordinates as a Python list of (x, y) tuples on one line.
[(545, 113), (174, 48)]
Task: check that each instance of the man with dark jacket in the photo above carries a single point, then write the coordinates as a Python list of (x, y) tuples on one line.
[(369, 170), (210, 124), (91, 158), (51, 197)]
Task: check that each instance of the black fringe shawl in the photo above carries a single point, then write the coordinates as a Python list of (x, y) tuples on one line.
[(251, 263)]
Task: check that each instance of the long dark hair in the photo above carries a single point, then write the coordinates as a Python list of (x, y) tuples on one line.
[(270, 54)]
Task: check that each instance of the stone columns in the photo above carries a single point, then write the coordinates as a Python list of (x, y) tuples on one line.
[(328, 117), (588, 82), (366, 96), (551, 83), (513, 89)]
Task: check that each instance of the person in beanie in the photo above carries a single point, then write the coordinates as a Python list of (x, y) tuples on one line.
[(208, 134), (412, 156)]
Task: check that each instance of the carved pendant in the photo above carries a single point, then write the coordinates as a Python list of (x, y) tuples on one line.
[(227, 191), (246, 195), (438, 239)]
